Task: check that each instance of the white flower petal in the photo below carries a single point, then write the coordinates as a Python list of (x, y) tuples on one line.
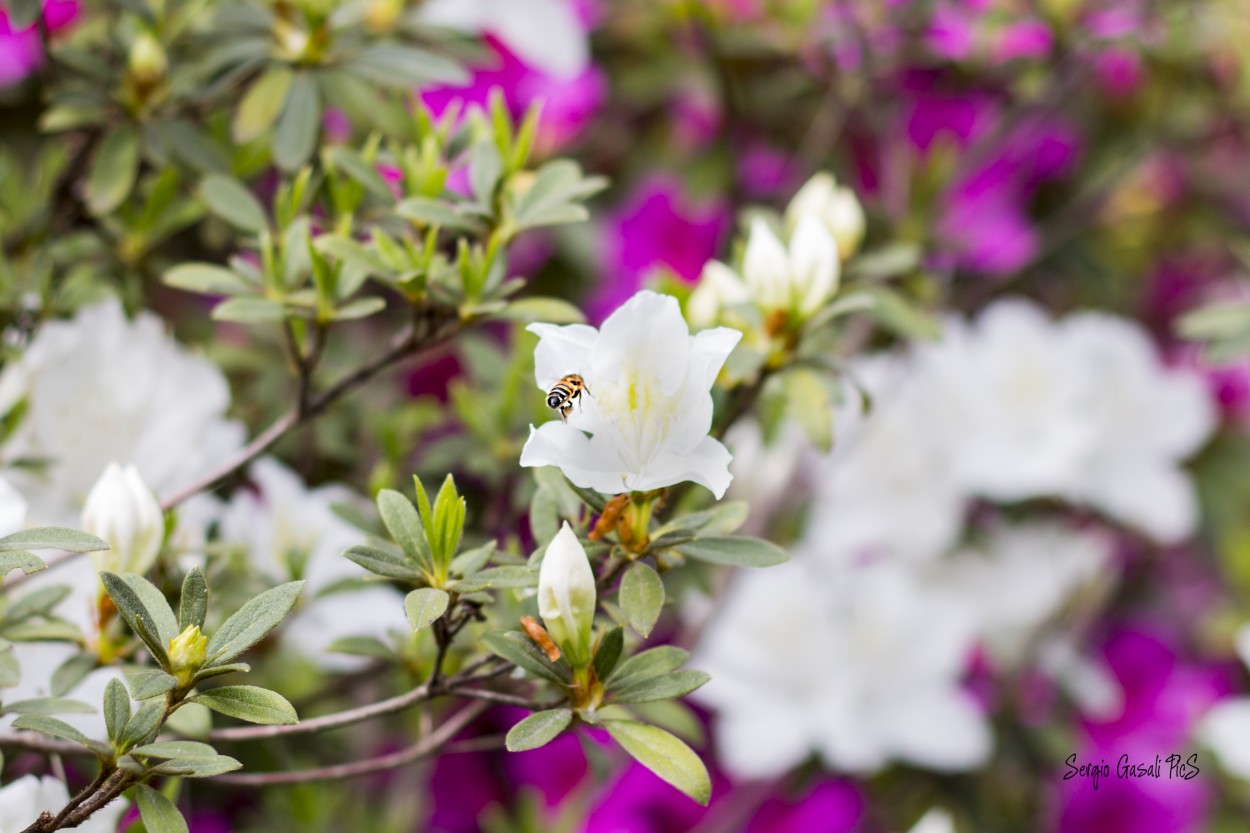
[(647, 335), (814, 266), (766, 267), (589, 466), (1225, 730)]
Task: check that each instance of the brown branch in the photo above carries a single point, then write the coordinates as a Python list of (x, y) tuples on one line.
[(329, 721), (423, 748)]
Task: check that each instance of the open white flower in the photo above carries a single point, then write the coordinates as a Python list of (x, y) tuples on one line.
[(566, 595), (860, 664), (22, 801), (798, 280), (100, 388), (122, 510), (648, 405), (545, 34), (836, 207)]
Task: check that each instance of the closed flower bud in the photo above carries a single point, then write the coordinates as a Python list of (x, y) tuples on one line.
[(122, 510), (835, 207), (147, 62), (187, 652), (566, 595)]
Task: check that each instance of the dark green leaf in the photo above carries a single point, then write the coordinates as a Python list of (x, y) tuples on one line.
[(116, 708), (299, 125), (250, 703), (113, 172), (207, 279), (664, 755), (424, 606), (539, 729), (261, 104), (175, 749), (158, 813), (735, 551), (642, 597), (648, 663), (496, 578), (144, 685), (609, 652), (252, 622), (193, 606), (231, 201), (383, 562), (517, 649), (132, 610), (156, 604), (663, 687), (404, 525)]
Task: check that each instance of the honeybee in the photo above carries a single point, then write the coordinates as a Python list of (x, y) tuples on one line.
[(560, 397)]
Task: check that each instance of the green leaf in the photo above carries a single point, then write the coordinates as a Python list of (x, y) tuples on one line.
[(546, 310), (650, 663), (23, 13), (725, 518), (231, 201), (37, 603), (261, 104), (539, 729), (641, 597), (191, 720), (404, 524), (11, 672), (113, 171), (609, 652), (52, 538), (664, 755), (138, 617), (496, 578), (485, 168), (71, 672), (299, 125), (403, 67), (361, 171), (51, 726), (517, 649), (49, 705), (663, 687), (424, 606), (116, 708), (27, 562), (175, 749), (449, 511), (198, 767), (193, 606), (249, 310), (144, 685), (430, 212), (207, 279), (383, 562), (250, 703), (143, 724), (359, 308), (735, 551), (220, 670), (252, 622), (902, 317), (158, 813), (156, 604), (1223, 320), (352, 254), (470, 562), (889, 261)]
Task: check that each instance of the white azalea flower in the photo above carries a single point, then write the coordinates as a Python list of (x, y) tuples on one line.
[(1225, 728), (26, 798), (566, 595), (1148, 419), (291, 532), (797, 280), (1011, 402), (648, 407), (860, 665), (888, 488), (101, 388), (836, 207), (545, 34), (1019, 579), (122, 510)]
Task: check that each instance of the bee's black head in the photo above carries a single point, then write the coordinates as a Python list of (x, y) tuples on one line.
[(554, 400)]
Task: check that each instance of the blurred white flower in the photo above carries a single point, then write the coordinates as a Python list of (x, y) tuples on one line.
[(12, 509), (292, 532), (767, 472), (860, 665), (797, 280), (566, 595), (1148, 419), (545, 34), (648, 407), (888, 487), (1018, 580), (101, 388), (122, 510), (38, 661), (1225, 728), (936, 820), (835, 207), (22, 802), (1010, 400)]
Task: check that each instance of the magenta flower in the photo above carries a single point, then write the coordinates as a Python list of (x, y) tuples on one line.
[(568, 103), (657, 226), (639, 802), (829, 806), (21, 53), (1162, 697)]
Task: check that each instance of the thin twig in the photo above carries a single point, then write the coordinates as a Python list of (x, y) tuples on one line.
[(329, 721), (35, 742), (423, 748)]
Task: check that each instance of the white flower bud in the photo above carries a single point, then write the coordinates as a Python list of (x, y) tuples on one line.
[(800, 279), (566, 595), (835, 207), (122, 510)]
